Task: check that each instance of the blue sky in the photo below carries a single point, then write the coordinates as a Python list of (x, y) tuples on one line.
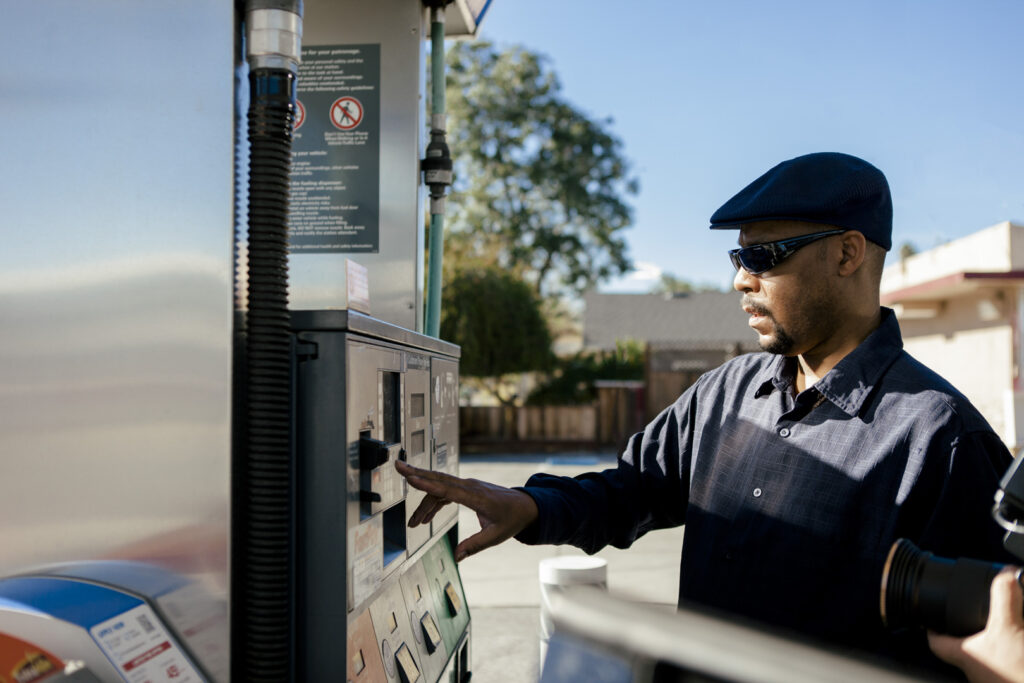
[(706, 96)]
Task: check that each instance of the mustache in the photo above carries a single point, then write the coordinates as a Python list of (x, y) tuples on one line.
[(749, 304)]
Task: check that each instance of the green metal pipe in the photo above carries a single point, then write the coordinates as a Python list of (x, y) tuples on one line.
[(433, 322), (437, 61), (433, 328)]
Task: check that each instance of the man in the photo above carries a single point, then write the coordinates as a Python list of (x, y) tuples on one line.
[(794, 470)]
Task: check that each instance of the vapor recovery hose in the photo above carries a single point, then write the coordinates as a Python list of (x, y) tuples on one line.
[(264, 607)]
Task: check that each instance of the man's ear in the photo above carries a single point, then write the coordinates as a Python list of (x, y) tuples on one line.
[(854, 250)]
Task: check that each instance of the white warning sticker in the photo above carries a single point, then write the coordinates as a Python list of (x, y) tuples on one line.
[(366, 550), (141, 648)]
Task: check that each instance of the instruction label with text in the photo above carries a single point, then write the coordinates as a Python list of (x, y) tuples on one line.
[(335, 182)]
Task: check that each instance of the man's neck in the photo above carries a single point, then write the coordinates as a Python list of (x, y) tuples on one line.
[(817, 362)]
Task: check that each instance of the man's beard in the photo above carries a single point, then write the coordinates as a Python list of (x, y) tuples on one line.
[(780, 342)]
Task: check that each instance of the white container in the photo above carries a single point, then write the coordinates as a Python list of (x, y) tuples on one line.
[(556, 573)]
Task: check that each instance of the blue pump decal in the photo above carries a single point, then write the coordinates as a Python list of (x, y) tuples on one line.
[(80, 603), (137, 577)]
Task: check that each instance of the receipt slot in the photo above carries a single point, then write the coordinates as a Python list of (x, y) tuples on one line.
[(368, 393)]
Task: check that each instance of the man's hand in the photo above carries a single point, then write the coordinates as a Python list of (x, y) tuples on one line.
[(502, 512), (995, 654)]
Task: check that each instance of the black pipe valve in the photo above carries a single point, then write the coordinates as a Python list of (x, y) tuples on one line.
[(437, 166)]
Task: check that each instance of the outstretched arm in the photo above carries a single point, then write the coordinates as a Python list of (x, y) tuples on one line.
[(502, 512), (995, 654)]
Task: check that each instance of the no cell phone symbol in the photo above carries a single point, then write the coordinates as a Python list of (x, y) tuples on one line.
[(300, 115), (346, 113)]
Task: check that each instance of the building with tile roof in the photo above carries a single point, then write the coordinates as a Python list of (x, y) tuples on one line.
[(685, 335)]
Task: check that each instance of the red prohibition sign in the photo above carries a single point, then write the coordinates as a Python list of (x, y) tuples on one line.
[(346, 113), (300, 115)]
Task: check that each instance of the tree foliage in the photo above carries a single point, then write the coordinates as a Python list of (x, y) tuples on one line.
[(496, 318), (672, 284), (907, 249), (572, 381), (539, 187)]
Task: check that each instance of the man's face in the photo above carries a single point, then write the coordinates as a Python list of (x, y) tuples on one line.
[(792, 307)]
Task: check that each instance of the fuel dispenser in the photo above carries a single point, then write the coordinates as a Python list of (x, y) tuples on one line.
[(398, 587), (209, 382)]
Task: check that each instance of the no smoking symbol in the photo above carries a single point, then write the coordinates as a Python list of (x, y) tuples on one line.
[(346, 113)]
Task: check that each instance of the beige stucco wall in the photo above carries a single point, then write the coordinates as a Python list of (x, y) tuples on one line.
[(970, 339), (974, 355), (997, 248)]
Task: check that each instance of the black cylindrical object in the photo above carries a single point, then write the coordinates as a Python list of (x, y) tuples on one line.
[(267, 489), (940, 594), (263, 590)]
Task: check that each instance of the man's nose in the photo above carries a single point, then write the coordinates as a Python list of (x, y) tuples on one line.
[(745, 282)]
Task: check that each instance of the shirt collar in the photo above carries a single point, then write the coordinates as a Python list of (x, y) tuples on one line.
[(852, 380)]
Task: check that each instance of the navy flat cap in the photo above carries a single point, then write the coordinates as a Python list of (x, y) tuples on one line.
[(826, 187)]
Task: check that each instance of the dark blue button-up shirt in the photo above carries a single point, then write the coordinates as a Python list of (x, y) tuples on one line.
[(792, 501)]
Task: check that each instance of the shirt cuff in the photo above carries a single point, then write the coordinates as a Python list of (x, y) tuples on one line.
[(546, 529)]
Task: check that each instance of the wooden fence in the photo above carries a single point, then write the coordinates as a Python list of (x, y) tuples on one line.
[(501, 424), (607, 422)]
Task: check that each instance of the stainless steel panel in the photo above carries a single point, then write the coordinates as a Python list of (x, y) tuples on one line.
[(116, 182), (417, 439), (396, 272), (444, 422), (394, 630), (419, 600)]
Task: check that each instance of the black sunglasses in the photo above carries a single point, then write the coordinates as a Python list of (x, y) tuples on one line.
[(758, 258)]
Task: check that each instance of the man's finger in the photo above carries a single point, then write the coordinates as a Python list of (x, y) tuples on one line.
[(407, 470), (431, 487), (428, 507), (419, 516), (441, 485), (482, 540)]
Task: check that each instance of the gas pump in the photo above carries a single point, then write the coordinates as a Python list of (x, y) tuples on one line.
[(396, 588), (209, 382)]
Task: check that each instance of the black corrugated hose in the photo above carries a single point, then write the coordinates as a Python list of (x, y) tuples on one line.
[(267, 598), (266, 586)]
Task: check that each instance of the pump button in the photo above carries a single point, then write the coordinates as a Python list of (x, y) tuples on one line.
[(409, 672), (454, 602), (431, 631)]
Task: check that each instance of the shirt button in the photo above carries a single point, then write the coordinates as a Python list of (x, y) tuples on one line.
[(784, 432), (757, 493)]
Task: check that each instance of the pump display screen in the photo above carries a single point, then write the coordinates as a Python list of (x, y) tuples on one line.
[(391, 406), (417, 406)]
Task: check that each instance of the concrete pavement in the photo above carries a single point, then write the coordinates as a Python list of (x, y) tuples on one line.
[(502, 585)]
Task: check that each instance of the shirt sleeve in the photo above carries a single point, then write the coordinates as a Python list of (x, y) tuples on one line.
[(649, 489), (958, 521)]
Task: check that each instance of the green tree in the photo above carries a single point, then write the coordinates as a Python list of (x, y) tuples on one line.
[(496, 318), (907, 249), (572, 380), (539, 186)]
